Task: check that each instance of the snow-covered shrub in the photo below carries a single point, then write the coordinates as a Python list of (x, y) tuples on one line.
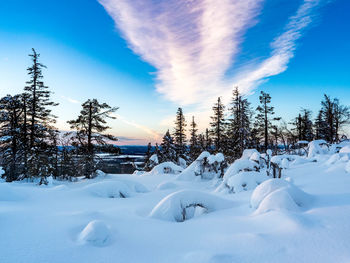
[(151, 162), (100, 173), (279, 200), (206, 166), (182, 162), (267, 188), (317, 147), (96, 233), (184, 204), (244, 174), (2, 172), (244, 181), (115, 189), (165, 168)]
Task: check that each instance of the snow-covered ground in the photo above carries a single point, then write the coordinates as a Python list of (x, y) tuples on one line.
[(159, 218)]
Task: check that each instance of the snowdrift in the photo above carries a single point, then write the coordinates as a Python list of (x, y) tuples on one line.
[(95, 233), (115, 189), (182, 205), (278, 194), (165, 168)]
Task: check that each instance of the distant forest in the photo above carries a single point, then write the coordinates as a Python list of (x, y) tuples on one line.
[(29, 140)]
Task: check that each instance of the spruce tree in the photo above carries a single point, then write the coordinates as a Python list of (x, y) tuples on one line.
[(89, 130), (40, 122), (218, 125), (11, 147), (303, 126), (264, 117), (195, 148), (238, 131), (179, 134), (168, 149)]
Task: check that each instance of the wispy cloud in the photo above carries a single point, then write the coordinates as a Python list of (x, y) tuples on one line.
[(283, 48), (190, 43), (71, 100)]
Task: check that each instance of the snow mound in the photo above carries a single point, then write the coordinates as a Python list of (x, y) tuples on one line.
[(317, 147), (166, 185), (1, 171), (165, 168), (100, 173), (268, 187), (244, 181), (241, 165), (248, 153), (206, 166), (95, 233), (8, 193), (244, 174), (279, 200), (184, 204), (115, 189)]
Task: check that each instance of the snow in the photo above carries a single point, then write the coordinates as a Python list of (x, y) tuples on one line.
[(345, 149), (154, 158), (206, 166), (279, 200), (181, 205), (317, 147), (115, 189), (96, 233), (165, 168), (270, 186), (305, 218), (247, 153)]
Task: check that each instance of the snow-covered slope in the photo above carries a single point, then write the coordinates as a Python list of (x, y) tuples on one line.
[(304, 221)]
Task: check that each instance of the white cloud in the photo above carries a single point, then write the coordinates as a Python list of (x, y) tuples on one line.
[(283, 48), (70, 100), (190, 43)]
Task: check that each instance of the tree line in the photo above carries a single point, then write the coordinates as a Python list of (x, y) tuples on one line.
[(32, 147), (241, 127)]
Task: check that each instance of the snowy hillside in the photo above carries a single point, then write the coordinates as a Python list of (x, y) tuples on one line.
[(157, 217)]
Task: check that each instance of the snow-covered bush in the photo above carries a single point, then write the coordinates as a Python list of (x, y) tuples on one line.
[(244, 181), (244, 174), (165, 168), (151, 162), (317, 147), (279, 200), (96, 233), (115, 189), (184, 204), (206, 166), (264, 197)]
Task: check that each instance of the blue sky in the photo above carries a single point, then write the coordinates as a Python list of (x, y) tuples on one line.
[(149, 57)]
